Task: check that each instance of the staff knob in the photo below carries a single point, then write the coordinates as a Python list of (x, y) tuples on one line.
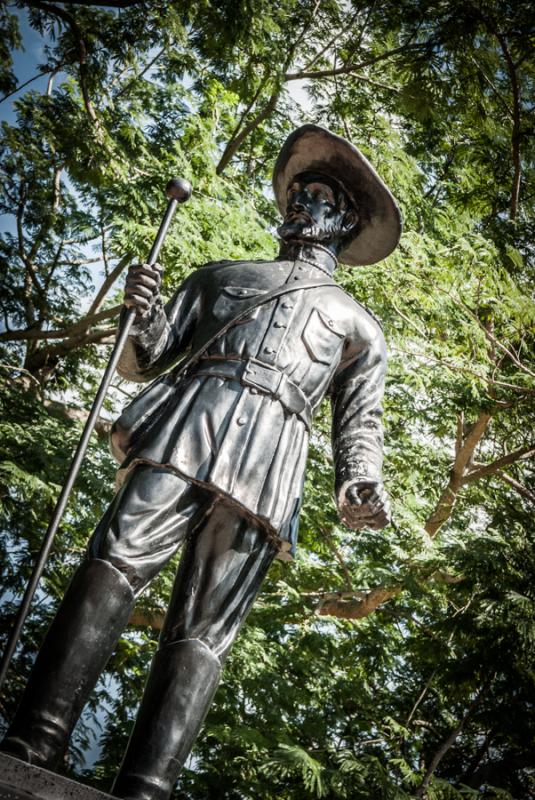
[(179, 189)]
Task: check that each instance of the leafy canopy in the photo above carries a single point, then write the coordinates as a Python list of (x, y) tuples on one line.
[(385, 665)]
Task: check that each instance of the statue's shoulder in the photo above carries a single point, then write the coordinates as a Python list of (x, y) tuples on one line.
[(360, 309), (244, 273), (211, 266), (213, 271), (226, 264)]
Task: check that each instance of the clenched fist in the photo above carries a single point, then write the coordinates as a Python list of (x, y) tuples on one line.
[(142, 287), (366, 505)]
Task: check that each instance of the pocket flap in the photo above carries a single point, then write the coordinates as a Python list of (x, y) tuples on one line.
[(329, 323), (232, 299), (322, 337), (242, 291)]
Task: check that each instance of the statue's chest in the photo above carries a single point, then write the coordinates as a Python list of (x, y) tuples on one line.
[(265, 275), (236, 287)]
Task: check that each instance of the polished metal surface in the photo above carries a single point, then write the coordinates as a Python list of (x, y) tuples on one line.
[(86, 628), (182, 682), (213, 457), (242, 443)]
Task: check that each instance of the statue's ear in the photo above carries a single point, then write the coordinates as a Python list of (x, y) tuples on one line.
[(350, 221)]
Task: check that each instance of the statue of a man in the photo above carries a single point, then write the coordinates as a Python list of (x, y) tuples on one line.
[(213, 456)]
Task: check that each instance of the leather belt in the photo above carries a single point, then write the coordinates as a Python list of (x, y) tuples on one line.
[(262, 377)]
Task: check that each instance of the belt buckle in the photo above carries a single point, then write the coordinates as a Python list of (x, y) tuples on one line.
[(258, 375)]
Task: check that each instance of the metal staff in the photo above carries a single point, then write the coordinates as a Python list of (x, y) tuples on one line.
[(178, 190)]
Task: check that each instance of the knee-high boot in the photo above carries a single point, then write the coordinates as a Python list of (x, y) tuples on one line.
[(94, 612), (182, 682)]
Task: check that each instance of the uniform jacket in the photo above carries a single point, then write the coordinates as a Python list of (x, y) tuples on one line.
[(239, 440)]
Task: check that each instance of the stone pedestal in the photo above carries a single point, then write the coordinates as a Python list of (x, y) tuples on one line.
[(19, 781)]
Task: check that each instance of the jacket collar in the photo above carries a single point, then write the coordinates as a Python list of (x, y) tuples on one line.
[(311, 253)]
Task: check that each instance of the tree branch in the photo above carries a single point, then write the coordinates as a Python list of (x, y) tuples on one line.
[(241, 120), (108, 283), (493, 87), (494, 340), (24, 372), (515, 134), (491, 469), (344, 605), (522, 490), (26, 83), (234, 144), (459, 433), (76, 414), (466, 370), (47, 357), (44, 228), (128, 85), (237, 139), (407, 319), (147, 619), (335, 605), (452, 738), (515, 90), (34, 334), (22, 244), (110, 3), (346, 69), (479, 755), (420, 698), (61, 13), (330, 42), (448, 498), (337, 554)]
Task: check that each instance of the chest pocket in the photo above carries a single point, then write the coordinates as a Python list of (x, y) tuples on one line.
[(233, 299), (322, 337)]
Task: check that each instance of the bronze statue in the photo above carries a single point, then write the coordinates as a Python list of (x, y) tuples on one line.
[(213, 456)]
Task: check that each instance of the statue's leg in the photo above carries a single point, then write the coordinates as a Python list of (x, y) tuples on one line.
[(88, 623), (222, 568), (140, 531)]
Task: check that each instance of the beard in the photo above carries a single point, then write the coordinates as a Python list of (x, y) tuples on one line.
[(309, 231)]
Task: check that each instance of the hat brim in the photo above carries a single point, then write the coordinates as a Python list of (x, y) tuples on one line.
[(315, 149)]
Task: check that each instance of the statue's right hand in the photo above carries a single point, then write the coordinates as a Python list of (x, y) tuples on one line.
[(142, 287)]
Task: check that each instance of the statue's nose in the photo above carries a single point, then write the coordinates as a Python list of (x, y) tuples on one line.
[(300, 201)]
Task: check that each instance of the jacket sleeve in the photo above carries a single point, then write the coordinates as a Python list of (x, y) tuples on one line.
[(357, 392), (158, 339)]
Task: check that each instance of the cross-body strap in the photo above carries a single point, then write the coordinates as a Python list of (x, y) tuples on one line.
[(145, 407), (258, 301)]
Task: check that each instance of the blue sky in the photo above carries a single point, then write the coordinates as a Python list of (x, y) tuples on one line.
[(26, 63)]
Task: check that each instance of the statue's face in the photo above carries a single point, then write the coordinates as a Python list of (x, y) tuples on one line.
[(318, 210)]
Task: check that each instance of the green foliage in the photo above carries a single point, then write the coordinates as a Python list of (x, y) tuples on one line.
[(430, 691)]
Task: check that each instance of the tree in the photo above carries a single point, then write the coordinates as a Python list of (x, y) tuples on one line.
[(382, 665)]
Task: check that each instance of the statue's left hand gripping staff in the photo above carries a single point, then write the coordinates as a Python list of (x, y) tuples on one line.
[(178, 190)]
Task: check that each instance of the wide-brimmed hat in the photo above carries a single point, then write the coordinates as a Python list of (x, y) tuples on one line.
[(311, 148)]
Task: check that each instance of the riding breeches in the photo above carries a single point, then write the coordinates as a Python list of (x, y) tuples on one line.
[(224, 560)]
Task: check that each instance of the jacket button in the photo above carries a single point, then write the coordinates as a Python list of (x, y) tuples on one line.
[(279, 325), (268, 350), (241, 420), (287, 305)]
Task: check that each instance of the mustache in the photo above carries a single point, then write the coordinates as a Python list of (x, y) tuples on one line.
[(292, 214)]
